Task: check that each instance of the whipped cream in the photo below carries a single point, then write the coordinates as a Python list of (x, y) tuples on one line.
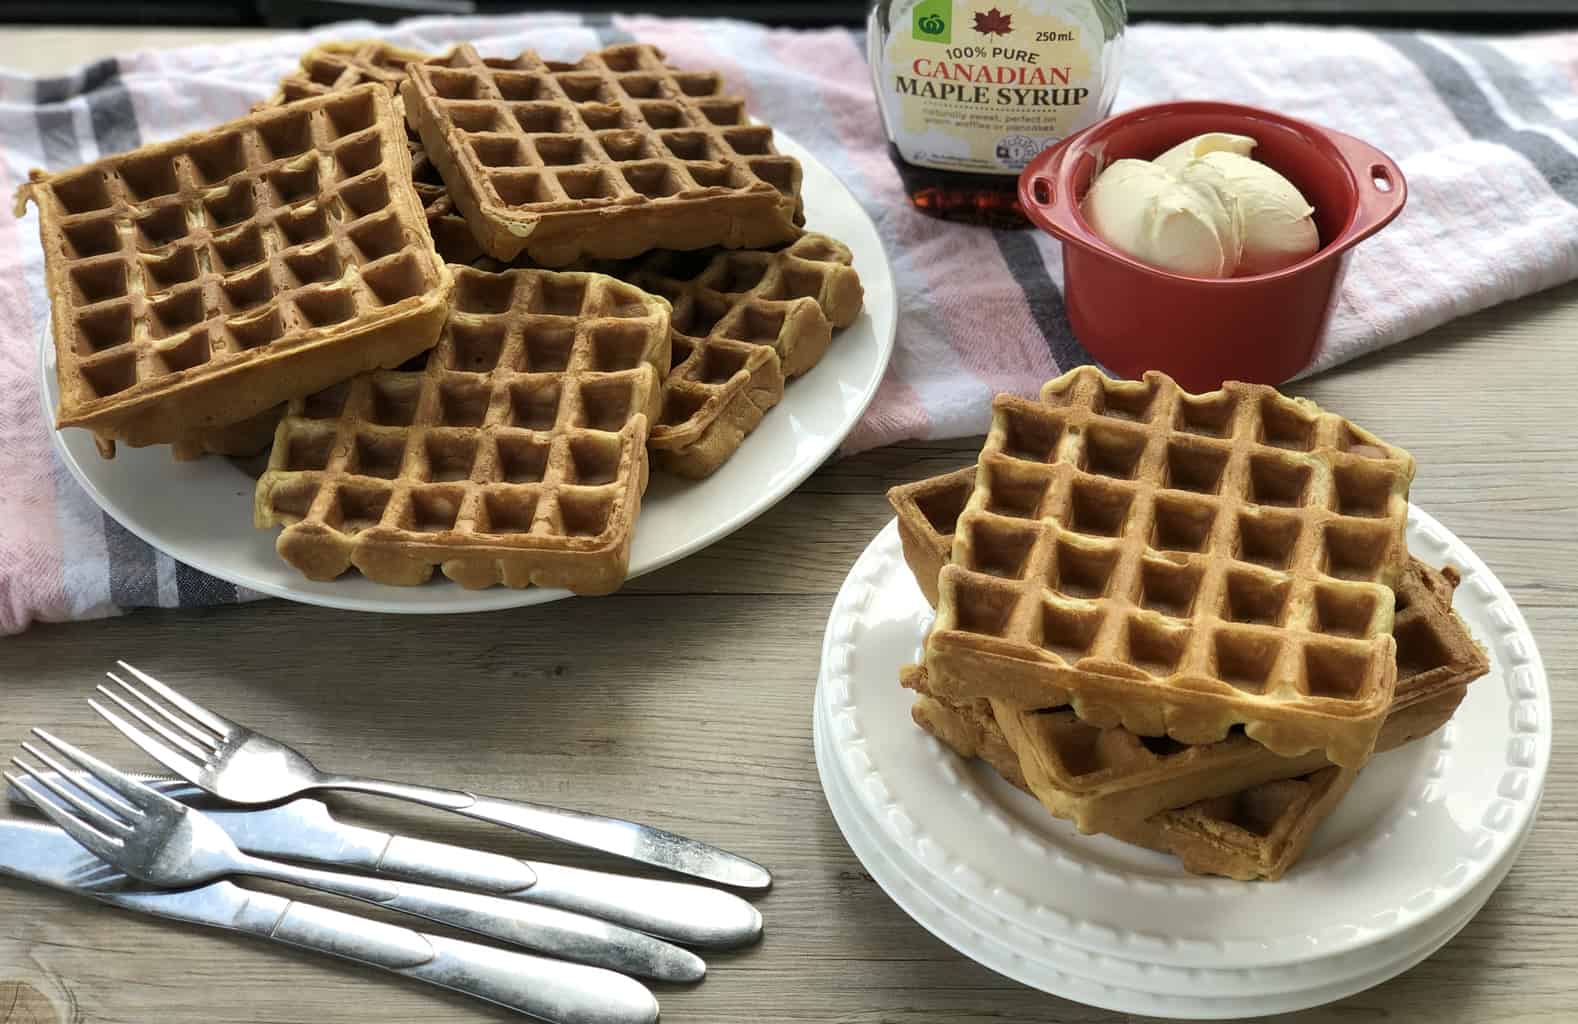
[(1203, 208)]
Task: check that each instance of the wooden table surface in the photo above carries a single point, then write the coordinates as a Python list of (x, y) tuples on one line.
[(685, 701)]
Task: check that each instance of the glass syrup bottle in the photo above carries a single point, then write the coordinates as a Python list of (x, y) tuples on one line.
[(970, 90)]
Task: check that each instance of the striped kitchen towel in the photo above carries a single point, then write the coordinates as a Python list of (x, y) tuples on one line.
[(1486, 130)]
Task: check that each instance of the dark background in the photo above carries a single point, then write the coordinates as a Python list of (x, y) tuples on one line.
[(1482, 15)]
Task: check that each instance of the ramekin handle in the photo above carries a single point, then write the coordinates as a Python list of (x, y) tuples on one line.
[(1382, 188)]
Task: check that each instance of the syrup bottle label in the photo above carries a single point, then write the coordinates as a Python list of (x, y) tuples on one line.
[(981, 86)]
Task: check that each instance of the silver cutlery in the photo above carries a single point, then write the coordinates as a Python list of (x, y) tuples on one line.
[(304, 830), (549, 990), (244, 767), (161, 841)]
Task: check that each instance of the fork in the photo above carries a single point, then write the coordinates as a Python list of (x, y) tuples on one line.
[(548, 990), (244, 767), (165, 843)]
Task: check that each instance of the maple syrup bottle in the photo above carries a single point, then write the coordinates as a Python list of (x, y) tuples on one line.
[(969, 92)]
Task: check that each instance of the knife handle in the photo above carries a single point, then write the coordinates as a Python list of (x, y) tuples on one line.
[(547, 989), (693, 915), (628, 839), (543, 929), (453, 866)]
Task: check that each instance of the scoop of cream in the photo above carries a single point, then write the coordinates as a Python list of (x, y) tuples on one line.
[(1181, 221), (1274, 222), (1278, 227)]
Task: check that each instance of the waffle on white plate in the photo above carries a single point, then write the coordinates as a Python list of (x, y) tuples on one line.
[(278, 282), (1179, 564), (1131, 786), (517, 456), (199, 282), (608, 157), (745, 321)]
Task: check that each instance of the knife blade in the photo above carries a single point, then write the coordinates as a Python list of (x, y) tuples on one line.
[(303, 829), (548, 989)]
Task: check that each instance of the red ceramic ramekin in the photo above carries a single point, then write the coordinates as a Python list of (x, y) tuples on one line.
[(1202, 331)]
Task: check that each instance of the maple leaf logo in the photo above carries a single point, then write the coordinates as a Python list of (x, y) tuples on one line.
[(993, 22)]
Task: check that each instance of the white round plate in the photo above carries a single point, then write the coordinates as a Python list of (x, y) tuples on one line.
[(1120, 985), (200, 512), (1423, 826)]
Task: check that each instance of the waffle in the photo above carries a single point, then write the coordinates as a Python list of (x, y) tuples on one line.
[(517, 456), (198, 282), (1257, 832), (243, 439), (335, 67), (1101, 779), (1179, 564), (744, 320), (452, 236), (608, 157)]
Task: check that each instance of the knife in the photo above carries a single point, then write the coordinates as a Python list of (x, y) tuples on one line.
[(546, 930), (304, 830), (551, 990)]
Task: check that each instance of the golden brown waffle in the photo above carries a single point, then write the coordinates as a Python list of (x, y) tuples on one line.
[(201, 281), (1257, 832), (1110, 780), (1100, 779), (518, 456), (1436, 654), (244, 439), (335, 67), (744, 320), (1179, 564), (452, 236), (338, 66), (608, 157)]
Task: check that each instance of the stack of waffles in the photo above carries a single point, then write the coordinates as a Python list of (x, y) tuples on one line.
[(460, 301), (1186, 621)]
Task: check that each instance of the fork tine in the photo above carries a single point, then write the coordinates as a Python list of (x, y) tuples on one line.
[(112, 880), (178, 763), (198, 733), (93, 874), (103, 819), (87, 786), (223, 726), (135, 792), (172, 737), (96, 842)]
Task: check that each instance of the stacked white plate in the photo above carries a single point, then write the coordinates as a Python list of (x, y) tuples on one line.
[(1410, 856)]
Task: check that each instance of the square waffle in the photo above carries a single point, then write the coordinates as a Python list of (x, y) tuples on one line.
[(1102, 779), (335, 67), (198, 282), (744, 320), (608, 157), (1179, 564), (1258, 831), (517, 456), (338, 66)]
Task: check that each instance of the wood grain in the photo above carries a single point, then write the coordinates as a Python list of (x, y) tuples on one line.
[(685, 701), (21, 1003)]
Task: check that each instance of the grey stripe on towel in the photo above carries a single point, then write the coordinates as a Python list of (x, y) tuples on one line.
[(1027, 267), (1475, 111)]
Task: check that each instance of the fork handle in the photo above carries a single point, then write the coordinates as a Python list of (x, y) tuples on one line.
[(555, 932), (550, 990), (628, 839)]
